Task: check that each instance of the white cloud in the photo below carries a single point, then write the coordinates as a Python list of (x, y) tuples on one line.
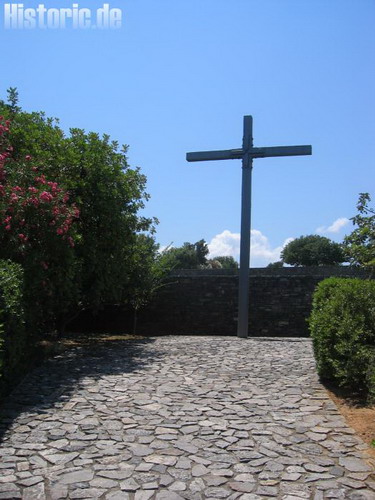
[(335, 227), (226, 244), (261, 253)]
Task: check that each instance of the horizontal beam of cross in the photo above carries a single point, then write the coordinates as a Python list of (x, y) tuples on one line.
[(228, 154), (235, 154), (281, 151)]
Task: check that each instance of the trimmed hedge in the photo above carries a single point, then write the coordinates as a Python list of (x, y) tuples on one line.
[(342, 326), (12, 325)]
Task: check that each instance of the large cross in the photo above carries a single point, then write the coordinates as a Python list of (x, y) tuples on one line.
[(247, 153)]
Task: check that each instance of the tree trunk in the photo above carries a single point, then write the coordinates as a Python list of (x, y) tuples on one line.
[(135, 318)]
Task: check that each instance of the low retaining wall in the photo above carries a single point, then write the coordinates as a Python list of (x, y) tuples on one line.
[(204, 302)]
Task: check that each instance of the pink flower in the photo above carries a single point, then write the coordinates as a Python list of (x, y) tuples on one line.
[(27, 157), (41, 179), (45, 196), (53, 185), (8, 227), (60, 231), (33, 190), (34, 201), (22, 237)]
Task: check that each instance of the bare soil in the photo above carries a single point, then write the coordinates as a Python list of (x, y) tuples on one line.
[(358, 416)]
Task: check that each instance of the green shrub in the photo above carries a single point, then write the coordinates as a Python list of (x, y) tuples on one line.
[(342, 326), (12, 324), (86, 261)]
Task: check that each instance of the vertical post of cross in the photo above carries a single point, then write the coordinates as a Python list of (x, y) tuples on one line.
[(247, 154), (243, 285)]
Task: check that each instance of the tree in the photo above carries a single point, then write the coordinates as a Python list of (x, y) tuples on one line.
[(276, 265), (36, 230), (96, 180), (312, 250), (194, 256), (189, 256), (359, 246), (227, 262), (148, 273)]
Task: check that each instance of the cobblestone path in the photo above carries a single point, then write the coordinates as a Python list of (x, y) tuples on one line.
[(180, 418)]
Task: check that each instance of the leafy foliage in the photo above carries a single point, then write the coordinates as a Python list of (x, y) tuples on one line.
[(148, 273), (36, 229), (359, 246), (342, 325), (276, 265), (194, 256), (78, 190), (312, 250), (148, 270), (13, 340), (226, 262), (110, 195), (189, 256)]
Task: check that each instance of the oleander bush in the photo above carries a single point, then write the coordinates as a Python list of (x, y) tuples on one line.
[(342, 326), (72, 235), (13, 342), (70, 215)]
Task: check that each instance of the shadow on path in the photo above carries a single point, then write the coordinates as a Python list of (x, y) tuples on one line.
[(56, 379)]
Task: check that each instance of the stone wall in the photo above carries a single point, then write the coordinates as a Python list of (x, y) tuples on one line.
[(205, 302)]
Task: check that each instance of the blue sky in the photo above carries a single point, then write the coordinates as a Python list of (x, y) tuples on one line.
[(179, 75)]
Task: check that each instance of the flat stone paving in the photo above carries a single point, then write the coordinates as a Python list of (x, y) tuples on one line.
[(180, 418)]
